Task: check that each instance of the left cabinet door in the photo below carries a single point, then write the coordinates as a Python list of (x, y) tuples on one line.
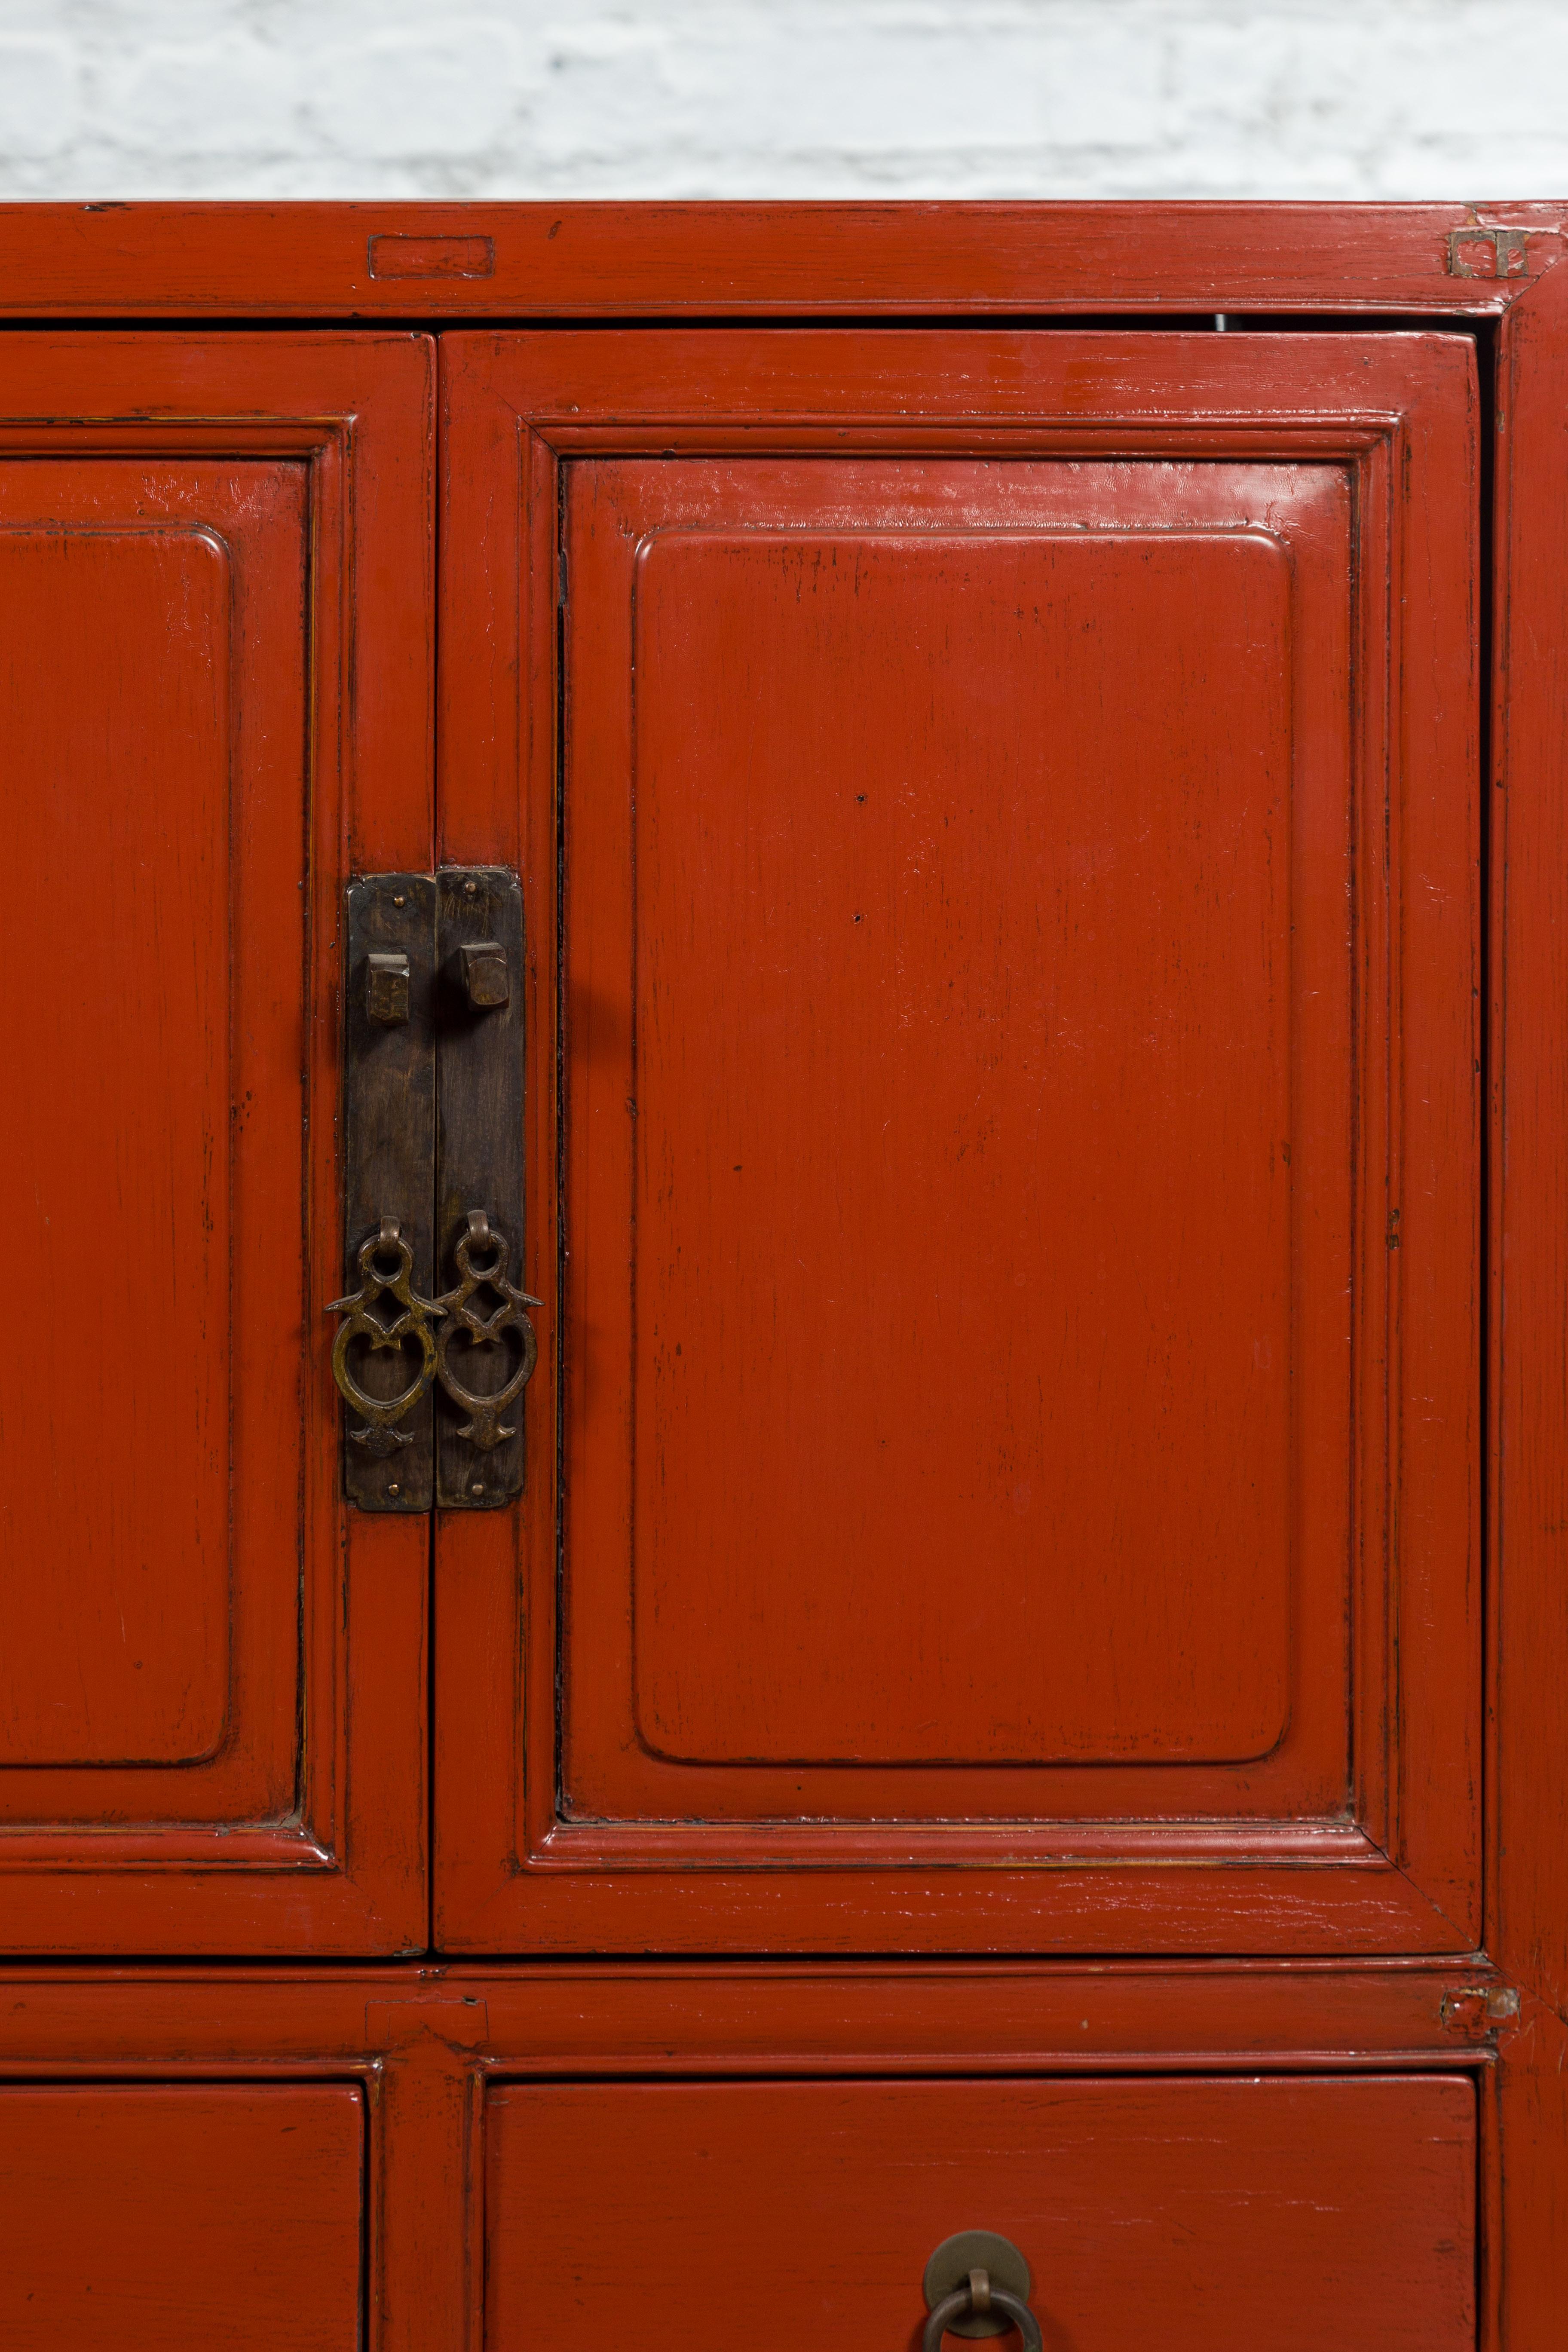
[(215, 597)]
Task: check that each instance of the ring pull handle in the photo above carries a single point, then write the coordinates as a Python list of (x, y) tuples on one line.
[(977, 2283), (484, 1408), (979, 2294), (367, 1319)]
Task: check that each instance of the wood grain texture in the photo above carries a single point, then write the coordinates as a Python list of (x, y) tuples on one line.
[(1293, 2213), (962, 906), (712, 260), (174, 2218), (615, 2017), (1531, 1490), (116, 689), (192, 479), (955, 1337), (216, 561), (425, 2043), (808, 1621), (1528, 1821)]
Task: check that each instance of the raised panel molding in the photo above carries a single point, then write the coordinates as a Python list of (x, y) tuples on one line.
[(590, 1836)]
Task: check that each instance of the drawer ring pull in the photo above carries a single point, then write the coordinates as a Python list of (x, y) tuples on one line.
[(979, 2294)]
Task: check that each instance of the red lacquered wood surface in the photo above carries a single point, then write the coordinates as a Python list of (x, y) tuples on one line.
[(214, 567), (953, 1322), (712, 260), (428, 2045), (1211, 2216), (1528, 1819), (422, 2041), (116, 628), (158, 2217), (1002, 1211), (607, 2018)]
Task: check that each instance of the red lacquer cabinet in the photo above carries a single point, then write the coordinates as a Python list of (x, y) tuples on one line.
[(861, 914)]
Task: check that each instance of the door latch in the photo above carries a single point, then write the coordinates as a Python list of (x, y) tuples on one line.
[(432, 1107), (1497, 249)]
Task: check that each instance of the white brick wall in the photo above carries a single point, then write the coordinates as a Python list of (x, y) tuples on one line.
[(784, 98)]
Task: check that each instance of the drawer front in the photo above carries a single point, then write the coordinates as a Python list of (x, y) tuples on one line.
[(180, 2218), (1201, 2214)]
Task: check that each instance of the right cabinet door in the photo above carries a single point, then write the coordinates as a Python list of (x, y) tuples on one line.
[(999, 823)]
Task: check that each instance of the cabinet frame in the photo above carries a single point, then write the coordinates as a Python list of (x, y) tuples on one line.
[(1495, 265), (427, 2042)]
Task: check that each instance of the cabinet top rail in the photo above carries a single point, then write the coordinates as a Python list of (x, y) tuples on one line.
[(607, 260)]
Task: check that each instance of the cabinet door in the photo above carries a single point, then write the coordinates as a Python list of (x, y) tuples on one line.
[(999, 823), (215, 662)]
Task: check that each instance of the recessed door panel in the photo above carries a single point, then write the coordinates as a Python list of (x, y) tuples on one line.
[(176, 2217), (1010, 849), (1288, 2212), (184, 707), (114, 1639), (959, 1324), (157, 792), (980, 1077)]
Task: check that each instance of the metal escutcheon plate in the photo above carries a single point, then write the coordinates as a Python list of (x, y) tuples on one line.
[(977, 2249)]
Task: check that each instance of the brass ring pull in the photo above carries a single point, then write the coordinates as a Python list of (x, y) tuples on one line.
[(380, 1435), (485, 1426), (980, 2294), (977, 2283)]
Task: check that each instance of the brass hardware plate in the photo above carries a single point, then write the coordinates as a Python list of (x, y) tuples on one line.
[(479, 1171), (389, 1143), (976, 2250), (438, 1345), (1496, 249)]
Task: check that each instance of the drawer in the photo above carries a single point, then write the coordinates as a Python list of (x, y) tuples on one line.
[(156, 2218), (1207, 2215)]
